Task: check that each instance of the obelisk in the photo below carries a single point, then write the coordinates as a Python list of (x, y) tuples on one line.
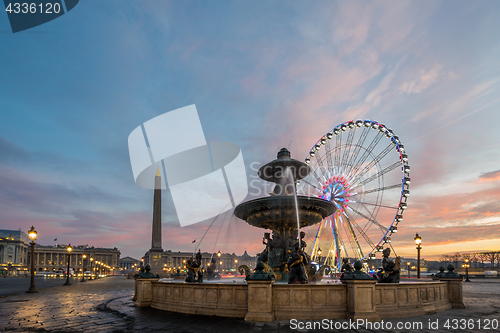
[(155, 254)]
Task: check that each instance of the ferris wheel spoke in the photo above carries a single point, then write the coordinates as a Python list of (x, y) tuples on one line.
[(370, 219), (337, 151), (362, 233), (347, 148), (379, 189), (322, 168), (373, 219), (373, 162), (347, 237), (353, 236), (328, 151), (305, 181), (377, 205), (337, 240), (357, 149), (318, 178), (367, 152), (377, 175)]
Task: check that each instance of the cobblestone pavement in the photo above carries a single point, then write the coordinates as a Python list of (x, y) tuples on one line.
[(19, 285), (105, 306)]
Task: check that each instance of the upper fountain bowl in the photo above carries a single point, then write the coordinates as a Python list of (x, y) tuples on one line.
[(278, 212)]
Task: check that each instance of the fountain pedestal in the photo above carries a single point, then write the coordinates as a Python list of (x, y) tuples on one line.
[(361, 300), (260, 301), (283, 212)]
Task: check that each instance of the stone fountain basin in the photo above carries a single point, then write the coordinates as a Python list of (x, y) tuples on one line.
[(266, 301), (279, 211)]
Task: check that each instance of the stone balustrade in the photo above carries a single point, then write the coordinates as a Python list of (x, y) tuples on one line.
[(266, 301)]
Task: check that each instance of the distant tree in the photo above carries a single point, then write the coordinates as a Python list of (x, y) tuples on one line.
[(444, 259), (497, 257), (455, 258), (482, 256), (473, 259), (491, 257)]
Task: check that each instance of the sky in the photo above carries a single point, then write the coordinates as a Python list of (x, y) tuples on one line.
[(263, 75)]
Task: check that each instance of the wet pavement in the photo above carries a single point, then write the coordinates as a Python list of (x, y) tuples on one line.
[(106, 305), (19, 285)]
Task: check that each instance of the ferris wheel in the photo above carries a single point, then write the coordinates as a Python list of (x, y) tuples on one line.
[(362, 167)]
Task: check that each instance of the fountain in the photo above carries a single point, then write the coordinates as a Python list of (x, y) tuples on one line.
[(261, 299), (283, 212)]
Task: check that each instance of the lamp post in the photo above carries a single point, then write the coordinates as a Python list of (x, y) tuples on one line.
[(466, 265), (418, 241), (32, 236), (69, 249), (408, 268), (91, 268), (319, 255), (84, 256)]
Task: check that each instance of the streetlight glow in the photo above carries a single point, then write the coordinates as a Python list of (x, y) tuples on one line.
[(32, 235), (418, 241)]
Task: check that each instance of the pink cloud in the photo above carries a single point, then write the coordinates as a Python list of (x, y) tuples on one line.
[(490, 176)]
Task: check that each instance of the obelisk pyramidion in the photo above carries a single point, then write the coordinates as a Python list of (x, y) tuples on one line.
[(155, 254)]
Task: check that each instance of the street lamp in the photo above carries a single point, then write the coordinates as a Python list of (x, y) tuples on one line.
[(418, 241), (319, 255), (32, 236), (91, 268), (218, 254), (97, 269), (466, 265), (69, 248), (84, 256), (408, 269)]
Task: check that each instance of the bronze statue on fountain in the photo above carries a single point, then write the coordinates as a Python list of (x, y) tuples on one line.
[(212, 273), (390, 271), (193, 266), (346, 268), (279, 213)]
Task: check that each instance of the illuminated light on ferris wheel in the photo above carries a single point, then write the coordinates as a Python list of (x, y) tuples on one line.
[(362, 167)]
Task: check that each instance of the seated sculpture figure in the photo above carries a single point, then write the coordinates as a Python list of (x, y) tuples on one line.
[(192, 266), (274, 252), (390, 271), (212, 273), (346, 268), (296, 263)]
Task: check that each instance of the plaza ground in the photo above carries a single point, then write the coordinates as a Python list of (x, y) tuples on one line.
[(106, 305)]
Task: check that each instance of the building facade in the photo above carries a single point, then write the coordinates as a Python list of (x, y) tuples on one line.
[(15, 255), (53, 258), (129, 264), (14, 248), (226, 262)]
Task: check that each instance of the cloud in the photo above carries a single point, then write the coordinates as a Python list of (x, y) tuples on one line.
[(490, 176), (426, 79)]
